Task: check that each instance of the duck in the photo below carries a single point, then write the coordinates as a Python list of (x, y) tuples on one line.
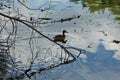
[(60, 38)]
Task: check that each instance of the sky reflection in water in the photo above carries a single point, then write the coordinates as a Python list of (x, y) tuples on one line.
[(102, 62), (94, 32)]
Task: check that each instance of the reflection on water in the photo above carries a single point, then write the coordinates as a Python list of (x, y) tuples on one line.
[(101, 5), (102, 59), (97, 65), (96, 22), (4, 66), (75, 1)]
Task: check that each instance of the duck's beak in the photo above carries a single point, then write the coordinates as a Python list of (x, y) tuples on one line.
[(66, 32)]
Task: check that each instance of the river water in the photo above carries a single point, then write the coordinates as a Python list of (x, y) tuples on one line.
[(92, 25), (96, 31)]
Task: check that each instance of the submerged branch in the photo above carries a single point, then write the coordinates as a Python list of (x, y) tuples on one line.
[(30, 74), (30, 26), (52, 65)]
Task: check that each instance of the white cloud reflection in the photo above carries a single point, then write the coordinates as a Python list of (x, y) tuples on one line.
[(88, 31)]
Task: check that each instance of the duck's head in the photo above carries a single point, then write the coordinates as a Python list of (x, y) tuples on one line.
[(64, 31)]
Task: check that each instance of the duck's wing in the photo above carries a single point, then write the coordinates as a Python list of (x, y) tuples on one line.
[(58, 37)]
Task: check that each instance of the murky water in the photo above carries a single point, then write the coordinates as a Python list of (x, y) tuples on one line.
[(92, 25)]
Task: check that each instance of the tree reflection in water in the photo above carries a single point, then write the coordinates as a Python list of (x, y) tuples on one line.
[(4, 66), (101, 5)]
